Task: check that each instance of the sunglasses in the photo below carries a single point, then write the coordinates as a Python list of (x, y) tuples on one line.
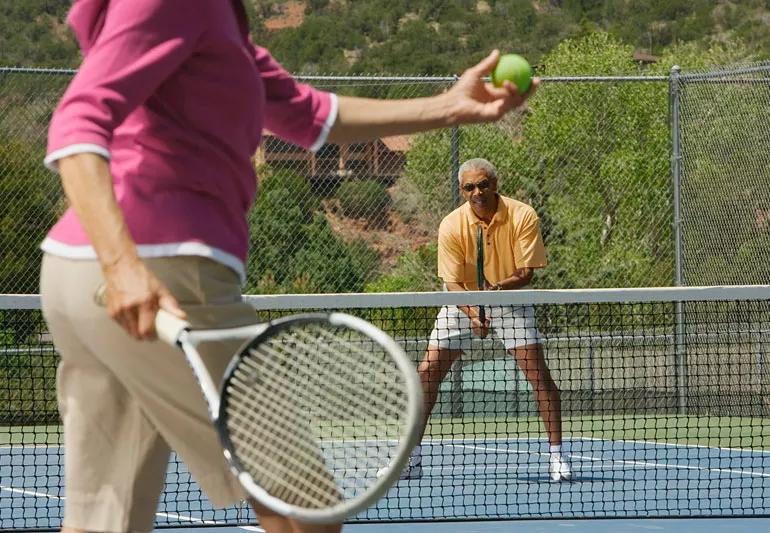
[(482, 186)]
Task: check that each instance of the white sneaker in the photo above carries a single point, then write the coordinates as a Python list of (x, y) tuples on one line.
[(560, 469), (412, 470)]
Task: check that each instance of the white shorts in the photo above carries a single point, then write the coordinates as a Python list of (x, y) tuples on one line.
[(514, 326)]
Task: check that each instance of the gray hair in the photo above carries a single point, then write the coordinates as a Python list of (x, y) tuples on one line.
[(477, 164)]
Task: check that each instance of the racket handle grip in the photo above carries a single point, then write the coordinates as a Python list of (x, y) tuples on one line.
[(482, 314), (169, 327)]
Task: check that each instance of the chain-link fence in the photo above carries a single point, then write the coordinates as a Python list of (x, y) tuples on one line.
[(593, 155), (30, 195), (721, 148)]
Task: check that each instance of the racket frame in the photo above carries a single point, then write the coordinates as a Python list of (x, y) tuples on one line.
[(177, 332)]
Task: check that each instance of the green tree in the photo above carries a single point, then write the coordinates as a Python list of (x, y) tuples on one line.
[(599, 154), (326, 263), (415, 271), (591, 158), (30, 196), (364, 198), (724, 126), (34, 33), (293, 248)]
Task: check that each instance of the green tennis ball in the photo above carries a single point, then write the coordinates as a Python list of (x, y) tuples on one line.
[(514, 68)]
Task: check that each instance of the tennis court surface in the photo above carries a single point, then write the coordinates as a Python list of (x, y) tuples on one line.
[(665, 399)]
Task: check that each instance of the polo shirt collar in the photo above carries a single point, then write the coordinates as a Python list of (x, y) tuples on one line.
[(500, 216)]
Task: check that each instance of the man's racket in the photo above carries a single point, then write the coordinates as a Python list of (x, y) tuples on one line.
[(480, 267), (310, 408)]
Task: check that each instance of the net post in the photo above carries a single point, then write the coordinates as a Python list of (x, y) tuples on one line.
[(591, 376), (457, 388), (680, 357)]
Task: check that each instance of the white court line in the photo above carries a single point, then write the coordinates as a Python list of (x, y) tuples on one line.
[(674, 466), (181, 518), (25, 492), (621, 461), (493, 470), (675, 445)]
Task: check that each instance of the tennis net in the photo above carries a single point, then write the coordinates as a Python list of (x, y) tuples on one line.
[(665, 403)]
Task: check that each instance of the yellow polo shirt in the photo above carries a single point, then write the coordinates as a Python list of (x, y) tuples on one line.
[(512, 241)]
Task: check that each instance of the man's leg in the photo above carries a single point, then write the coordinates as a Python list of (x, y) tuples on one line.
[(532, 363), (432, 370)]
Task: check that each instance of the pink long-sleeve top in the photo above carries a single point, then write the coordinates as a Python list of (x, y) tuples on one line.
[(175, 96)]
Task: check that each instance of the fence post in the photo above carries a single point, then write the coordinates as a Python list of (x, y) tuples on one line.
[(680, 364), (455, 155), (457, 366), (760, 362)]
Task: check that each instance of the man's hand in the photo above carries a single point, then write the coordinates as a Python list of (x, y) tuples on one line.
[(133, 296), (480, 329), (473, 100)]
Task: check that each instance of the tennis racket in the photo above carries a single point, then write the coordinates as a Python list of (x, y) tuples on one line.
[(480, 268), (310, 408)]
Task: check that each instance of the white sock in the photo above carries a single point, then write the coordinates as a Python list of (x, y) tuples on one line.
[(555, 450)]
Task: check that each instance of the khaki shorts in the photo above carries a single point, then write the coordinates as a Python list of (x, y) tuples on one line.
[(514, 326), (125, 403)]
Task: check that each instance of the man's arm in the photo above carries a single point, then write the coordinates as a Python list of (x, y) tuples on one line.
[(521, 278), (481, 329), (471, 310), (528, 249)]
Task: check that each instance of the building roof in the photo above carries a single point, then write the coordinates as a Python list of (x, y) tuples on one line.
[(394, 143), (292, 15), (644, 57), (397, 143)]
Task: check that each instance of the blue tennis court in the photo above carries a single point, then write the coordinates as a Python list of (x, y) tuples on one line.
[(664, 402), (475, 479)]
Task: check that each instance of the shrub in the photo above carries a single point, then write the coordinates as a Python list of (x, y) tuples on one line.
[(327, 263), (365, 199)]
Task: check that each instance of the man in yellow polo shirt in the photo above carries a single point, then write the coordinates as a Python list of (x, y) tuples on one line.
[(513, 249)]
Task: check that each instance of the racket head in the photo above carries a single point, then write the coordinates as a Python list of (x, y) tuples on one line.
[(312, 408)]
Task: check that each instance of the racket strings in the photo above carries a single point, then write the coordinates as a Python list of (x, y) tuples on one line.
[(358, 366), (285, 413), (352, 404), (338, 397), (291, 403), (315, 380), (305, 481), (264, 434), (352, 380)]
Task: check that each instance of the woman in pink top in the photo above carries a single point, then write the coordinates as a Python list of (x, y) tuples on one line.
[(153, 140)]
